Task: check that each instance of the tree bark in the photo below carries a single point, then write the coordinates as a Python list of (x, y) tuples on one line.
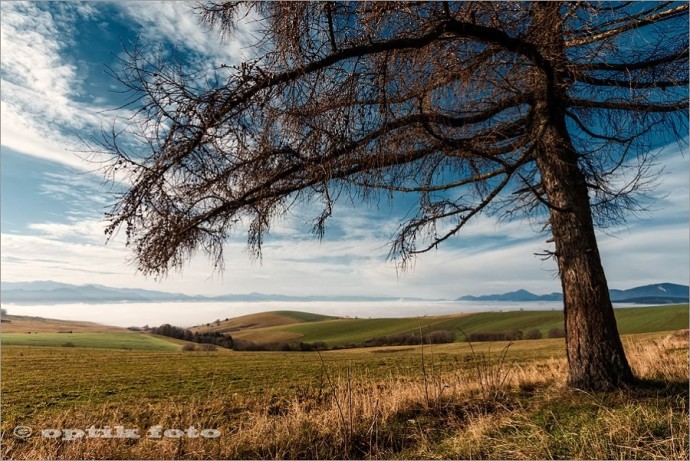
[(596, 359)]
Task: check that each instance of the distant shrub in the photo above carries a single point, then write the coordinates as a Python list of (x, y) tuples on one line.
[(533, 334), (439, 337), (206, 347), (556, 333), (320, 346), (244, 345), (219, 339), (510, 335), (68, 344), (189, 347), (433, 337)]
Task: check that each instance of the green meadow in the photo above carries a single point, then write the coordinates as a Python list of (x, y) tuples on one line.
[(344, 331), (102, 340), (415, 402)]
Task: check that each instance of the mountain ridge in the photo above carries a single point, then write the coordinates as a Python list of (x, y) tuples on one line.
[(49, 292), (657, 293)]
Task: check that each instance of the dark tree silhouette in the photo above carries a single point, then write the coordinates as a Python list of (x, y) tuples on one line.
[(542, 109)]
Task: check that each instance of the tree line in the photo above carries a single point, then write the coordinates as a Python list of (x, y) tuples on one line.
[(215, 338)]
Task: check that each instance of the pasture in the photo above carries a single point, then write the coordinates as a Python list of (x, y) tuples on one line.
[(444, 401), (23, 324), (344, 331), (103, 340), (431, 401)]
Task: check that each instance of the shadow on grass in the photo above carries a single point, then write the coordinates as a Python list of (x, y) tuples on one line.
[(659, 387)]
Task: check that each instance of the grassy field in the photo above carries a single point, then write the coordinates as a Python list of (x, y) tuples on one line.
[(108, 340), (260, 320), (338, 332), (124, 375), (289, 326), (440, 401), (365, 403), (23, 324), (38, 331)]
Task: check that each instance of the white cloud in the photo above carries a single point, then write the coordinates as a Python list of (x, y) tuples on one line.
[(31, 54), (92, 231), (176, 23), (40, 88), (26, 257), (23, 134)]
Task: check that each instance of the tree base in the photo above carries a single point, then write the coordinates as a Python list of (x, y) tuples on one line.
[(599, 382)]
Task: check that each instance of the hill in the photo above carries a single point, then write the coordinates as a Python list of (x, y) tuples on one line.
[(259, 321), (276, 327), (23, 324), (39, 331), (658, 293), (514, 296), (653, 292), (48, 292)]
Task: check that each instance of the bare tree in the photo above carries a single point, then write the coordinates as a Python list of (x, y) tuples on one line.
[(510, 108)]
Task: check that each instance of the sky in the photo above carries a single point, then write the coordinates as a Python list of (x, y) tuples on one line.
[(56, 93)]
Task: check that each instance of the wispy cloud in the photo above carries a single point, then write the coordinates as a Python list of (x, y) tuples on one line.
[(176, 23), (41, 87)]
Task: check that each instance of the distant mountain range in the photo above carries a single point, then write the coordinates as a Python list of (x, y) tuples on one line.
[(659, 293), (519, 295), (47, 292)]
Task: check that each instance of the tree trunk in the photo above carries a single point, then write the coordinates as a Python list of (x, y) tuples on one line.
[(596, 359)]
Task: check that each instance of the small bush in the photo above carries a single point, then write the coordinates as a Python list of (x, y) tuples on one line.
[(533, 334), (439, 337), (510, 335), (206, 347), (68, 344), (320, 346), (189, 347), (556, 333)]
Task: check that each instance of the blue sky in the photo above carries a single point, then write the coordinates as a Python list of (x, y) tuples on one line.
[(55, 89)]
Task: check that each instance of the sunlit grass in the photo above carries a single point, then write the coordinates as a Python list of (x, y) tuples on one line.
[(339, 332), (373, 403), (119, 340)]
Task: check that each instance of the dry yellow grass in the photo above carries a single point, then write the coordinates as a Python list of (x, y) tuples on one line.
[(489, 410)]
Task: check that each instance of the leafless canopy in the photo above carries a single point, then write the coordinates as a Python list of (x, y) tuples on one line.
[(435, 99)]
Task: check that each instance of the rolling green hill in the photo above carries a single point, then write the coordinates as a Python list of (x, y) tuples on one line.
[(292, 326), (259, 321), (343, 331), (24, 323), (106, 340)]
